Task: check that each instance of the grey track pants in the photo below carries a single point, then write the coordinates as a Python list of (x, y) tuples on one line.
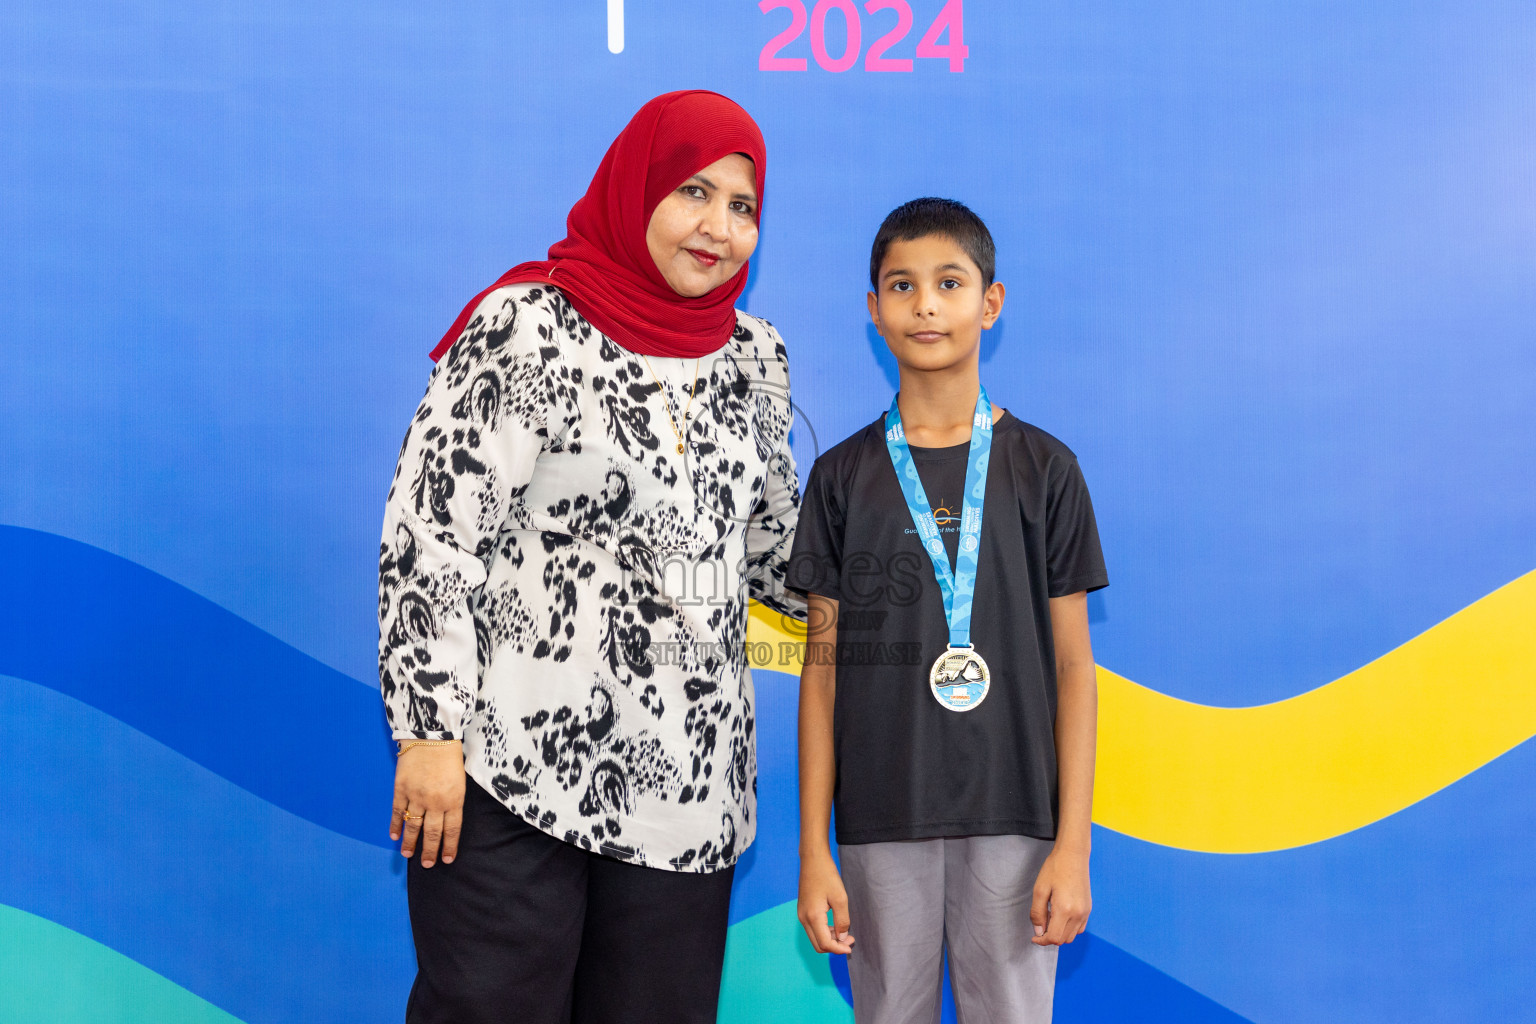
[(909, 901)]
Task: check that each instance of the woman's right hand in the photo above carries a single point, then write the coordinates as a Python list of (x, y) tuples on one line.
[(429, 801), (821, 889)]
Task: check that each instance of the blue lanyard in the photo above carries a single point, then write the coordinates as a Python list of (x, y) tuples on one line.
[(959, 586)]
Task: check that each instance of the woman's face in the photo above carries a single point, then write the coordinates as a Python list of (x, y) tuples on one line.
[(706, 228)]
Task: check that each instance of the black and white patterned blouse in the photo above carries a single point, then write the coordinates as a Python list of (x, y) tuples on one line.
[(563, 590)]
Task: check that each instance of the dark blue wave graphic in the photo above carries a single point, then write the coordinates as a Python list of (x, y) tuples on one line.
[(267, 916), (198, 678), (1097, 982), (233, 897), (1416, 919), (271, 917)]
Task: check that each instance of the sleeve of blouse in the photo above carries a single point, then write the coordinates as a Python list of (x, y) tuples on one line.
[(771, 531), (491, 407)]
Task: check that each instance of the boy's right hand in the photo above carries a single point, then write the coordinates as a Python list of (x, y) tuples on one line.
[(821, 889)]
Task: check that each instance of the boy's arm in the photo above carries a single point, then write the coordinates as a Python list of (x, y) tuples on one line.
[(821, 888), (1062, 897)]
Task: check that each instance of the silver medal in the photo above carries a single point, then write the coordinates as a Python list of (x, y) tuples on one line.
[(960, 679)]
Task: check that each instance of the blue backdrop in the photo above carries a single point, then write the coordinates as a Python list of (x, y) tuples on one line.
[(1271, 272)]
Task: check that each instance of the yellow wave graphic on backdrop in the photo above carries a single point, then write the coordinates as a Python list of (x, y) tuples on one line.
[(1306, 769)]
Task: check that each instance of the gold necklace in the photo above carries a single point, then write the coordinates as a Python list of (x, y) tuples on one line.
[(693, 387)]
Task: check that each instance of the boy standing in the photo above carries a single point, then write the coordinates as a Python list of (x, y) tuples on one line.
[(948, 703)]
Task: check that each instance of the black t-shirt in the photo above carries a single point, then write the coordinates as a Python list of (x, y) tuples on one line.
[(907, 767)]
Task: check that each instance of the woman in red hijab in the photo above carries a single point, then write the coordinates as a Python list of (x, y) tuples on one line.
[(596, 481)]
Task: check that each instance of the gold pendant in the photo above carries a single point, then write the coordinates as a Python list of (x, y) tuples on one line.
[(679, 447)]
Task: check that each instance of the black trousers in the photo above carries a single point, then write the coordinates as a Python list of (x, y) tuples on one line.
[(523, 928)]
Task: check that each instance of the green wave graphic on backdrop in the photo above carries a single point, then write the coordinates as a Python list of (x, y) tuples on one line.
[(773, 976), (49, 973)]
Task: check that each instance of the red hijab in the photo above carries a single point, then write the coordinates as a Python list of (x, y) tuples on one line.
[(603, 266)]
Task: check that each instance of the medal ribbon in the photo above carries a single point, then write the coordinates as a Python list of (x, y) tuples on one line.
[(959, 586)]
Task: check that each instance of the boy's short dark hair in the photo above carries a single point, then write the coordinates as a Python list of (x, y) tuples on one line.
[(930, 215)]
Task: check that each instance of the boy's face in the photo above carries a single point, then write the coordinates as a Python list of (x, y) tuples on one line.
[(930, 304)]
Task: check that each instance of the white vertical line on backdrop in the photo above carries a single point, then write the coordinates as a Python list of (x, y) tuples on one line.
[(615, 26)]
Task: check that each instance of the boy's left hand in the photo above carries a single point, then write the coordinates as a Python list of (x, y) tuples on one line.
[(1062, 900)]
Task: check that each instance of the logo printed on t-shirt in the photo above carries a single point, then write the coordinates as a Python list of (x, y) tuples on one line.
[(944, 519)]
